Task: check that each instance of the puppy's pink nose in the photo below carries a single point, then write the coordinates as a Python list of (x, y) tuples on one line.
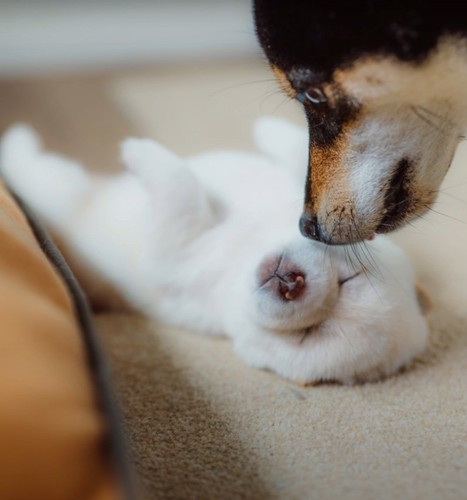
[(282, 277), (291, 285)]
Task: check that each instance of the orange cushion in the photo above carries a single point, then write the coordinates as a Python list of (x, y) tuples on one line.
[(51, 431)]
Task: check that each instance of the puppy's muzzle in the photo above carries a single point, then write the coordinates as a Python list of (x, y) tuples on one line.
[(283, 278), (290, 286)]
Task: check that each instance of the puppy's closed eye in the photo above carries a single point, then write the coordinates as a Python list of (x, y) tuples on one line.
[(342, 281)]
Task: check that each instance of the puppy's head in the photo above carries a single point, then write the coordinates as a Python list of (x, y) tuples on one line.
[(316, 313), (295, 288), (380, 89), (298, 288)]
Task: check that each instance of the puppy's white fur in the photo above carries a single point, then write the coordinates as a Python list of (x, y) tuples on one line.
[(202, 242)]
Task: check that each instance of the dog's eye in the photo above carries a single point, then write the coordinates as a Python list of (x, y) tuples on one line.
[(314, 95)]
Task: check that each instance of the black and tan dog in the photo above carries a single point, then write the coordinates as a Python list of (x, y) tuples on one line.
[(384, 88)]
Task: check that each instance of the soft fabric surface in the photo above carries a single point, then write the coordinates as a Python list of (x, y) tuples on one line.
[(202, 425), (51, 430)]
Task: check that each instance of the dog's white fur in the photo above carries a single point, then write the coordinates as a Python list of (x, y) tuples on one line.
[(415, 111), (200, 242)]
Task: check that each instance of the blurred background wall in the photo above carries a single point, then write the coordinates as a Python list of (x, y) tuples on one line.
[(38, 36), (86, 74)]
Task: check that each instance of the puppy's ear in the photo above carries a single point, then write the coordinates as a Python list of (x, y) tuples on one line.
[(424, 300)]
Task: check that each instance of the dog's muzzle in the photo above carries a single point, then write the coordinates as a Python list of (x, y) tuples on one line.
[(342, 232)]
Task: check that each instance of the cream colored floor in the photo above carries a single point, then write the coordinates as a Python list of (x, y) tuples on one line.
[(202, 425)]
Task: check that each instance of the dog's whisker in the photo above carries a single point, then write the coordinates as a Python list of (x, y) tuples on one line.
[(366, 250), (284, 100), (416, 111), (431, 209), (423, 109), (240, 85), (454, 186), (443, 119), (464, 202), (272, 93), (356, 249), (357, 255)]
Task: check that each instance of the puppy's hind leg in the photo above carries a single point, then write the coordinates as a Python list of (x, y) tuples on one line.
[(50, 183), (180, 202)]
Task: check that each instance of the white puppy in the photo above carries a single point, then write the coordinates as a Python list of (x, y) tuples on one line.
[(211, 243)]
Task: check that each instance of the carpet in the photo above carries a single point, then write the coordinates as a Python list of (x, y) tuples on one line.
[(201, 424)]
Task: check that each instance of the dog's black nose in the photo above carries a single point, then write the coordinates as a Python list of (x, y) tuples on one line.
[(309, 226)]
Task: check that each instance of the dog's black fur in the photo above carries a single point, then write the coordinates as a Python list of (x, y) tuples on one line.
[(308, 40), (327, 34)]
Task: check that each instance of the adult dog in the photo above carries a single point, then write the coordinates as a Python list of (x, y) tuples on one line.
[(383, 85)]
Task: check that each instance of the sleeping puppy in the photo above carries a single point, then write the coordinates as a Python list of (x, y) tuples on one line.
[(383, 86), (201, 244)]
